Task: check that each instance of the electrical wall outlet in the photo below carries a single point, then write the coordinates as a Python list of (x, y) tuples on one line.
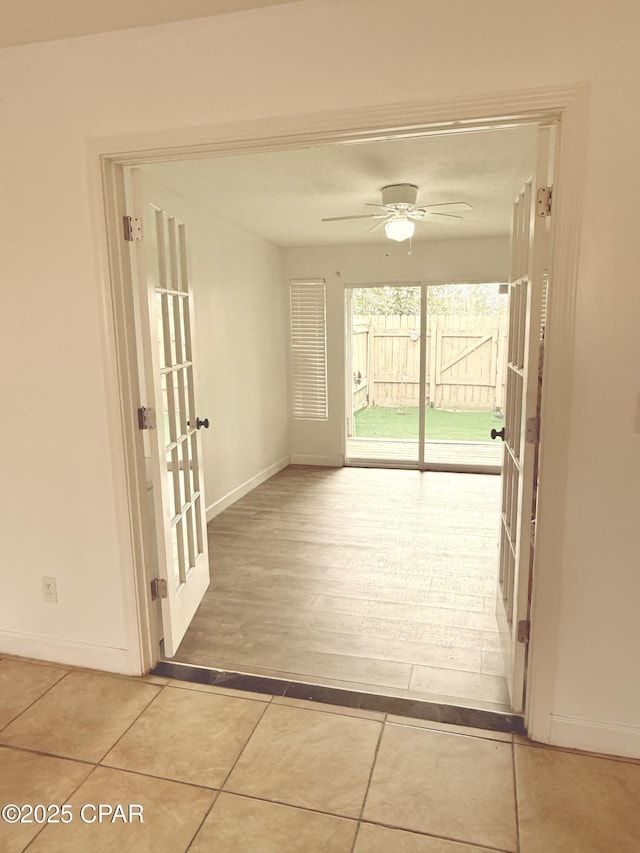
[(50, 590)]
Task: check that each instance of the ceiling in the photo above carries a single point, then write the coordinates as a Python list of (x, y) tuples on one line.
[(283, 195), (25, 21)]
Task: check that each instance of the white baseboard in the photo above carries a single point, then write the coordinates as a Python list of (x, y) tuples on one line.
[(224, 502), (326, 461), (595, 736), (68, 652)]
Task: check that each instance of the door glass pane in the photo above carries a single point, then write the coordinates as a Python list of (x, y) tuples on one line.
[(182, 560), (171, 330), (190, 407), (385, 374), (181, 461), (198, 519), (181, 403), (165, 306), (177, 324), (191, 471), (175, 556), (165, 409), (190, 531), (465, 374), (171, 471), (186, 314), (186, 470), (176, 407), (182, 352), (160, 328)]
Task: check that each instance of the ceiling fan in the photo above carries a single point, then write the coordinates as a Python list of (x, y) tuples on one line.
[(401, 212)]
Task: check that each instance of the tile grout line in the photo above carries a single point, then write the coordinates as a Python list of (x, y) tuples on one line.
[(47, 754), (75, 791), (202, 822), (267, 801), (448, 839), (366, 792), (246, 744), (226, 778), (147, 775), (157, 775), (133, 722), (621, 759), (515, 793), (20, 713)]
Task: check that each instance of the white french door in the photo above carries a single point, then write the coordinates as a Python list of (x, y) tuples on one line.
[(529, 270), (167, 346)]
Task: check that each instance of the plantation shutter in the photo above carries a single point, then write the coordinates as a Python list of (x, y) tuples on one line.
[(308, 349)]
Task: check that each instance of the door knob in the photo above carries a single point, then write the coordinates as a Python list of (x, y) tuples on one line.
[(204, 423), (497, 433)]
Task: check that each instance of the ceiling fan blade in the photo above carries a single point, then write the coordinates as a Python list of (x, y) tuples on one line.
[(373, 227), (458, 205), (341, 218), (448, 215), (374, 204)]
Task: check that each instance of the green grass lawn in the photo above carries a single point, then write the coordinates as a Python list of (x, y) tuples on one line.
[(383, 422)]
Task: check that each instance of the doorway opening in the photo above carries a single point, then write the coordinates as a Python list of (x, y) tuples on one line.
[(163, 276), (114, 198)]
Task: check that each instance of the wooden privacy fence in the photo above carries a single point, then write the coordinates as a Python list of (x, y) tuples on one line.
[(465, 364)]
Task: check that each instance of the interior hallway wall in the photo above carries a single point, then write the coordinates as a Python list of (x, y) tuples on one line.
[(63, 500)]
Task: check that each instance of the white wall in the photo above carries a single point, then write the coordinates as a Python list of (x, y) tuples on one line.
[(322, 442), (60, 505)]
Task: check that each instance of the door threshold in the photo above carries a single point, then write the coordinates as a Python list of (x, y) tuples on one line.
[(495, 721), (350, 462)]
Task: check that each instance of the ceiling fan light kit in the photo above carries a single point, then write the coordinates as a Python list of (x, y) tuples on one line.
[(400, 212), (399, 229)]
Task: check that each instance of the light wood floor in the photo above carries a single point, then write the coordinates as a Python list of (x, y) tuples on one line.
[(372, 579)]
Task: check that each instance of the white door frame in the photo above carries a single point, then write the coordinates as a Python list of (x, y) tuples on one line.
[(106, 161)]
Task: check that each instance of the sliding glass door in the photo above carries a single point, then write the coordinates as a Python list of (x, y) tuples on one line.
[(425, 400), (383, 375)]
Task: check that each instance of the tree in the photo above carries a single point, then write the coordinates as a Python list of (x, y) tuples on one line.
[(386, 300), (478, 299)]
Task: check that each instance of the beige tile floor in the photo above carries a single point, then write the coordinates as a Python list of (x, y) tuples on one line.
[(219, 770)]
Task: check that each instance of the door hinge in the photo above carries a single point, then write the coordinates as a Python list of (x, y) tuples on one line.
[(158, 588), (543, 201), (524, 629), (146, 418), (132, 229), (533, 430), (532, 531)]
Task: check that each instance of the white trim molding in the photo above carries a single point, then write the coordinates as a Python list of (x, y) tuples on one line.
[(595, 736), (557, 392), (243, 489), (67, 652), (565, 105)]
